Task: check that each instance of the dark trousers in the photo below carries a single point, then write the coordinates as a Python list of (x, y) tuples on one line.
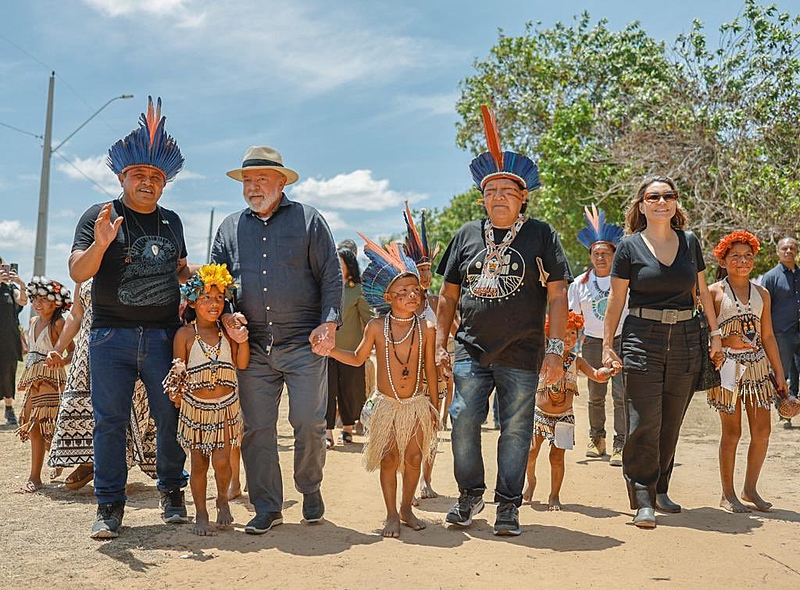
[(662, 364), (789, 348), (347, 388), (592, 354)]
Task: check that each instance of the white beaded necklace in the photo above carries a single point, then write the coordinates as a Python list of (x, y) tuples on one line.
[(389, 342)]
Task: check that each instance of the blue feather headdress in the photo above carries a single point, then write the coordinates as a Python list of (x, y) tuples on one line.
[(386, 265), (416, 246), (597, 230), (499, 164), (149, 145)]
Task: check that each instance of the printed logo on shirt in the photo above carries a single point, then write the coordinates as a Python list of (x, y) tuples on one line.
[(496, 278), (150, 279)]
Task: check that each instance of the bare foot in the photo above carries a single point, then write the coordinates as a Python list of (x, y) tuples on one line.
[(414, 501), (224, 516), (426, 491), (31, 486), (554, 504), (56, 472), (234, 492), (760, 503), (392, 527), (732, 504), (202, 527), (408, 518)]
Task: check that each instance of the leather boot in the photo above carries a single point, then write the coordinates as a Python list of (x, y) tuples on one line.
[(664, 504)]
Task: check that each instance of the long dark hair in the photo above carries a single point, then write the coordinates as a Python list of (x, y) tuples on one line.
[(351, 263)]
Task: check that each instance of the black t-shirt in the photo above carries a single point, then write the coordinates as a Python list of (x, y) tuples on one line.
[(10, 344), (504, 323), (137, 283), (654, 285)]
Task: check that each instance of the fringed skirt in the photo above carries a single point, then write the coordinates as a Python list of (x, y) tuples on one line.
[(394, 424), (544, 424), (39, 410), (205, 424), (36, 372), (745, 375)]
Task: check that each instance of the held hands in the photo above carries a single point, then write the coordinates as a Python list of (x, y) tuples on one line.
[(443, 362), (235, 326), (715, 351), (105, 231), (605, 373), (611, 360), (552, 370), (323, 338), (55, 359)]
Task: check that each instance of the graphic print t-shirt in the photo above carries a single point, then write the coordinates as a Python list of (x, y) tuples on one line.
[(502, 322), (137, 283)]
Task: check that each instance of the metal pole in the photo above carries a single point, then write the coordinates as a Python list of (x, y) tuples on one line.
[(40, 253), (210, 236)]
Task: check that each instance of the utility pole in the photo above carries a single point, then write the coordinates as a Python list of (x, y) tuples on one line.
[(210, 236), (40, 254)]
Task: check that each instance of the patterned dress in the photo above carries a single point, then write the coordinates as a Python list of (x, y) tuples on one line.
[(72, 443)]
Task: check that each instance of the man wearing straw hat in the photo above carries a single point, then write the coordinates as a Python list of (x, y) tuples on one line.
[(282, 255)]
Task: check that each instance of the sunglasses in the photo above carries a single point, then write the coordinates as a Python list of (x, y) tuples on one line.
[(668, 196)]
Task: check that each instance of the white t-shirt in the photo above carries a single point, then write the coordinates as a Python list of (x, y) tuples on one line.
[(590, 299)]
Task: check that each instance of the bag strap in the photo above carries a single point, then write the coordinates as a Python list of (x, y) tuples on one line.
[(691, 242)]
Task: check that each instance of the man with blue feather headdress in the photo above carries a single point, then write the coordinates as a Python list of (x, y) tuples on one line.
[(502, 273), (135, 250)]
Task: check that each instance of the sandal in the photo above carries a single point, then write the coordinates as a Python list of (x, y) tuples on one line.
[(346, 437), (30, 488), (82, 475), (328, 443)]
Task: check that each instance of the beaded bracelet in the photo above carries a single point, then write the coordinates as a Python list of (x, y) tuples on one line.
[(554, 346)]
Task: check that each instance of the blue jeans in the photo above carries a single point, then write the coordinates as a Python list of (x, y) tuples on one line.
[(516, 389), (117, 357), (789, 348)]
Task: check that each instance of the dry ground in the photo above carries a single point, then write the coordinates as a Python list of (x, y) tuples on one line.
[(44, 537)]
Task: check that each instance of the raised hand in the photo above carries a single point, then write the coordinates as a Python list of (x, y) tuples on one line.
[(105, 231)]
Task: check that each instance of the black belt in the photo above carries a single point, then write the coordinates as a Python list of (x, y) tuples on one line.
[(665, 316)]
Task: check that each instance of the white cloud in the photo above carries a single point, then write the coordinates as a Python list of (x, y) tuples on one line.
[(335, 221), (15, 235), (282, 44), (95, 169), (356, 190), (181, 10)]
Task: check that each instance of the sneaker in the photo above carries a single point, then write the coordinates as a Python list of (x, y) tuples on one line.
[(261, 523), (616, 457), (465, 509), (787, 423), (507, 522), (173, 507), (11, 418), (596, 447), (313, 507), (108, 521)]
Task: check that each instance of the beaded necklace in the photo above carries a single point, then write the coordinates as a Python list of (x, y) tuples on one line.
[(746, 316), (211, 352), (389, 342), (488, 284)]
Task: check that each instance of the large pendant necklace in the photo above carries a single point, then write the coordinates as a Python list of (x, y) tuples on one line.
[(211, 352), (488, 284), (128, 212), (747, 318), (599, 298)]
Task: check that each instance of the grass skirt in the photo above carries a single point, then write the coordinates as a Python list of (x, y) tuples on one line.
[(544, 424), (39, 408), (205, 424), (394, 424), (753, 386)]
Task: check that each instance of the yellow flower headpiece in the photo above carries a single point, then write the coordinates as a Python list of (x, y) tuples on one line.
[(209, 275)]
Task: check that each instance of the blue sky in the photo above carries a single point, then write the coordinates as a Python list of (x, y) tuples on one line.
[(357, 95)]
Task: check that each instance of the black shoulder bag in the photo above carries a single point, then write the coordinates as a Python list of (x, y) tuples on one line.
[(709, 375)]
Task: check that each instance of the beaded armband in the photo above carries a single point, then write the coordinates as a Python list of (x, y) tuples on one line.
[(554, 346)]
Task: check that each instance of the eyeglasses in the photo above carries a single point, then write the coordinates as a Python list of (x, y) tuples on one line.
[(668, 197)]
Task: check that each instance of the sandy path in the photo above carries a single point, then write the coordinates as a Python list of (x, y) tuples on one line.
[(44, 537)]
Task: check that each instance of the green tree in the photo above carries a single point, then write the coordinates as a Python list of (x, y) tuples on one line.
[(600, 109)]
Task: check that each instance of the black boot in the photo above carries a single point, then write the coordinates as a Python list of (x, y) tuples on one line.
[(11, 418), (664, 504)]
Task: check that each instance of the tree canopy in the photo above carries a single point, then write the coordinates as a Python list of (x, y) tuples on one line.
[(599, 109)]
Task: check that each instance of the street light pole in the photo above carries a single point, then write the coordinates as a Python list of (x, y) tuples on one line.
[(40, 253)]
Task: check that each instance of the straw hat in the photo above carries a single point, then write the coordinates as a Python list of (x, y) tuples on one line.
[(263, 158)]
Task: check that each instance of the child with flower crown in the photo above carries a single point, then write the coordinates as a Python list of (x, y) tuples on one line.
[(748, 342), (553, 418), (41, 383), (202, 383), (401, 416)]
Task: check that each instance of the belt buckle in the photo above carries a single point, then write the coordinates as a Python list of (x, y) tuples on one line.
[(669, 316)]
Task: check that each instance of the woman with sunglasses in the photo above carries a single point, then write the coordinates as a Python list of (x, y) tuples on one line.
[(659, 266)]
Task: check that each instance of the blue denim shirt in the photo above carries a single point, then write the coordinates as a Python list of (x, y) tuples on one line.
[(287, 269), (784, 291)]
